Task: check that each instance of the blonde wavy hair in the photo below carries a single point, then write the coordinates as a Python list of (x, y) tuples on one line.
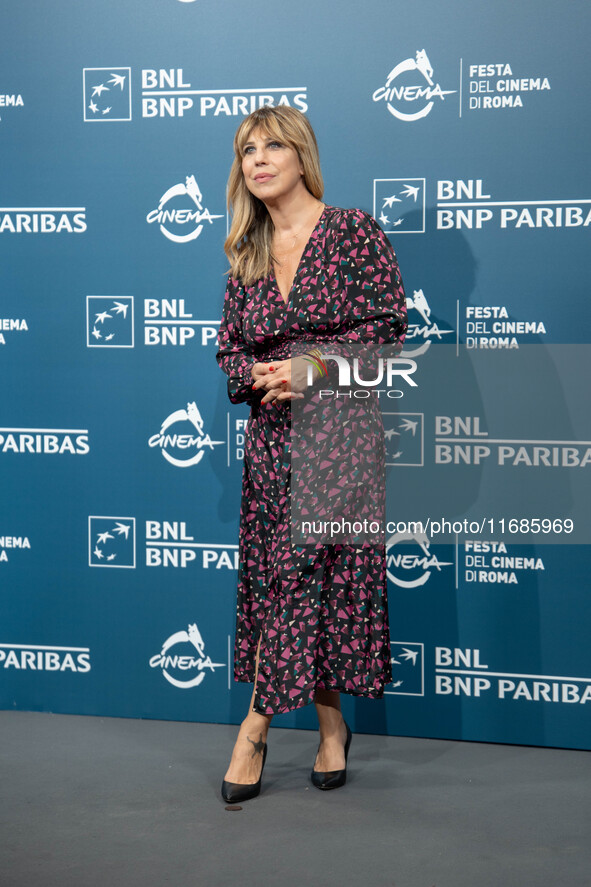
[(248, 245)]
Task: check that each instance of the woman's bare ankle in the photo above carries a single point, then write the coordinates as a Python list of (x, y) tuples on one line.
[(331, 721), (254, 722)]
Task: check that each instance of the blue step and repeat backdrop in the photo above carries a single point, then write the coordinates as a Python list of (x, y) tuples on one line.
[(463, 128)]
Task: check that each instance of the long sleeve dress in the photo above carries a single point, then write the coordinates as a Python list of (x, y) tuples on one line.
[(321, 611)]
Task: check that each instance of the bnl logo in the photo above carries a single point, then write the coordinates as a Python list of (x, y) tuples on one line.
[(109, 322), (106, 94), (111, 541), (405, 439), (399, 205), (408, 669)]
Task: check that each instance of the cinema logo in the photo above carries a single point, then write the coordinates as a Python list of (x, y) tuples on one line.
[(166, 92), (410, 92), (422, 329), (12, 324), (169, 544), (495, 86), (42, 220), (462, 673), (188, 665), (14, 100), (240, 438), (490, 564), (180, 214), (489, 326), (12, 543), (45, 441), (464, 204), (410, 561), (183, 447), (44, 657)]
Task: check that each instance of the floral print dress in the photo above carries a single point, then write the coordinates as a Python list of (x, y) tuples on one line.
[(321, 611)]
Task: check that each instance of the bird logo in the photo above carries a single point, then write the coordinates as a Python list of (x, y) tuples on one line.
[(107, 94), (110, 321), (112, 541)]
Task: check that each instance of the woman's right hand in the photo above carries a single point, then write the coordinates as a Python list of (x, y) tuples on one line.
[(275, 377)]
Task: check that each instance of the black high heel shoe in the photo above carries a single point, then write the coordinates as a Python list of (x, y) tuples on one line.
[(333, 778), (235, 792)]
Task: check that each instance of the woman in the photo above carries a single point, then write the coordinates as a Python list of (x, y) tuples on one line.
[(302, 274)]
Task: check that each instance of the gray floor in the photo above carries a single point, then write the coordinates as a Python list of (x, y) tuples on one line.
[(107, 801)]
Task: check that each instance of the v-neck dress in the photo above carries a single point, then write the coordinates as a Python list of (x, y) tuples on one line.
[(321, 611)]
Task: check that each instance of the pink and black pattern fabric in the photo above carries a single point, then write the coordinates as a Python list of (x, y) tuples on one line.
[(321, 611)]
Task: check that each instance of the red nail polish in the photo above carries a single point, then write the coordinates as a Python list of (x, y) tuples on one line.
[(271, 369)]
